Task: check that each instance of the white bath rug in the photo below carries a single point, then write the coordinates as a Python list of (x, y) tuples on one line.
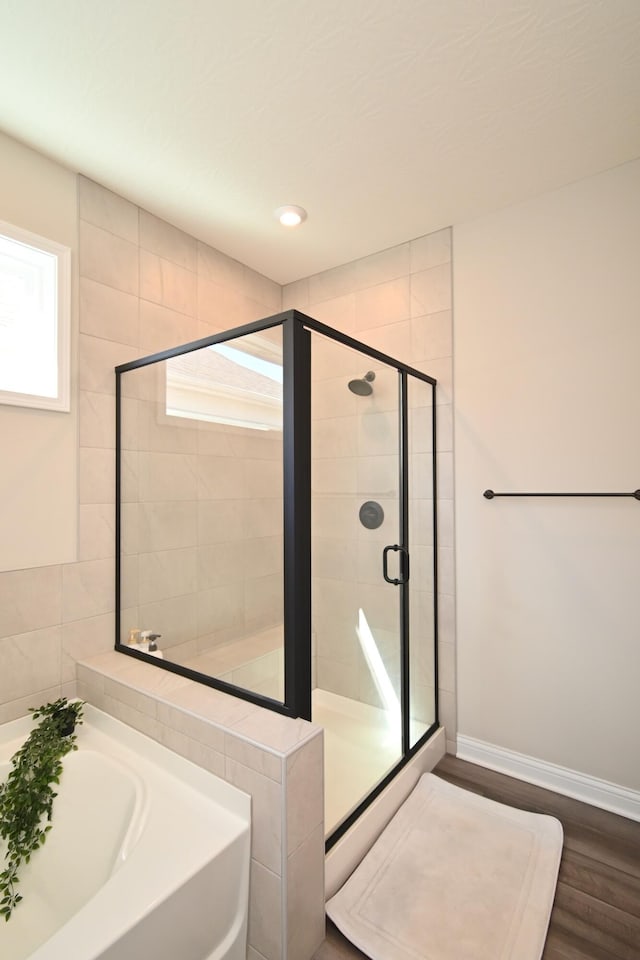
[(454, 876)]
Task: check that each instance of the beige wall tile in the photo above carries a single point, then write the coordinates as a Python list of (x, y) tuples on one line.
[(105, 209), (444, 429), (262, 518), (264, 292), (217, 267), (220, 521), (446, 574), (108, 259), (264, 602), (334, 438), (220, 608), (221, 563), (162, 328), (378, 476), (133, 698), (167, 476), (305, 792), (97, 470), (394, 339), (96, 531), (265, 912), (295, 296), (445, 523), (262, 478), (431, 290), (132, 717), (249, 755), (334, 517), (13, 709), (262, 557), (158, 432), (96, 361), (97, 416), (334, 476), (266, 813), (446, 618), (174, 619), (333, 559), (87, 589), (338, 312), (444, 475), (30, 599), (220, 306), (167, 573), (85, 638), (221, 480), (447, 667), (30, 661), (431, 337), (167, 526), (108, 313), (378, 434), (193, 727), (193, 750), (162, 238), (332, 283), (332, 398), (337, 678), (305, 898), (268, 729), (447, 712), (431, 250), (384, 303), (441, 369), (385, 265), (164, 282)]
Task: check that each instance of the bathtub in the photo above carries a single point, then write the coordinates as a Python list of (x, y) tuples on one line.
[(148, 856)]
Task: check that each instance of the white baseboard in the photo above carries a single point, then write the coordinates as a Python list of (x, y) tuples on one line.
[(571, 783)]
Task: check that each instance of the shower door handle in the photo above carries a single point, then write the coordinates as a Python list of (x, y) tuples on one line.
[(404, 564)]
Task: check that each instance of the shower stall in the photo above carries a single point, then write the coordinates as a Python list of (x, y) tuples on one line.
[(275, 489)]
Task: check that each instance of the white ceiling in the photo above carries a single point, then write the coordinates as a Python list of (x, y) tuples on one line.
[(385, 119)]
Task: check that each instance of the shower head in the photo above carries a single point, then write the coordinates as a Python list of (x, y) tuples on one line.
[(363, 388)]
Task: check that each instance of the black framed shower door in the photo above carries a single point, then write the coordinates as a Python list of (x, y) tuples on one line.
[(403, 573)]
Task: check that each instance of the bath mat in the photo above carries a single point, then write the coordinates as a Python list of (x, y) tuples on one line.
[(453, 876)]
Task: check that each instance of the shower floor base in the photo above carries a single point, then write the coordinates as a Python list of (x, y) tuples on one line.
[(359, 749)]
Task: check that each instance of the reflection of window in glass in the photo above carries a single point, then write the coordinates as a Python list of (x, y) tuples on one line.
[(238, 383), (34, 320)]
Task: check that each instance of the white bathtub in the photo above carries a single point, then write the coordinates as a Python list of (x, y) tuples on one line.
[(148, 856)]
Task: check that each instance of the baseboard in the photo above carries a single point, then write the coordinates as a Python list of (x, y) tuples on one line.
[(571, 783)]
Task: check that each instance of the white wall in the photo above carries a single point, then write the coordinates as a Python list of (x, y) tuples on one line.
[(38, 479), (546, 366)]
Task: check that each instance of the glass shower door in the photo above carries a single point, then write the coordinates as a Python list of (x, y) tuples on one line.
[(355, 613)]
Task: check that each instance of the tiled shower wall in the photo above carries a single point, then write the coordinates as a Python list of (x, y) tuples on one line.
[(398, 301), (146, 286), (201, 525)]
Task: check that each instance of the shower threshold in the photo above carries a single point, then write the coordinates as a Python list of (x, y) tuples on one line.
[(360, 749)]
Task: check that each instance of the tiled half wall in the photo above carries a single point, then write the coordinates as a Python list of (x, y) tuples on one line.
[(278, 761)]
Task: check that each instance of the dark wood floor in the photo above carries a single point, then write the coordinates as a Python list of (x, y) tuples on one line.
[(596, 913)]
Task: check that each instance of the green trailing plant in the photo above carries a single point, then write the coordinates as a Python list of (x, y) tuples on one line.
[(27, 795)]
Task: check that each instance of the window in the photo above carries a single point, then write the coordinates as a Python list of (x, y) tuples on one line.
[(238, 383), (34, 320)]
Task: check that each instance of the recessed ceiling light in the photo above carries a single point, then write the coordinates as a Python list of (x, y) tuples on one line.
[(290, 215)]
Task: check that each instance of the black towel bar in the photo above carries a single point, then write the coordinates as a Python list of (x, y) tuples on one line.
[(489, 494)]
